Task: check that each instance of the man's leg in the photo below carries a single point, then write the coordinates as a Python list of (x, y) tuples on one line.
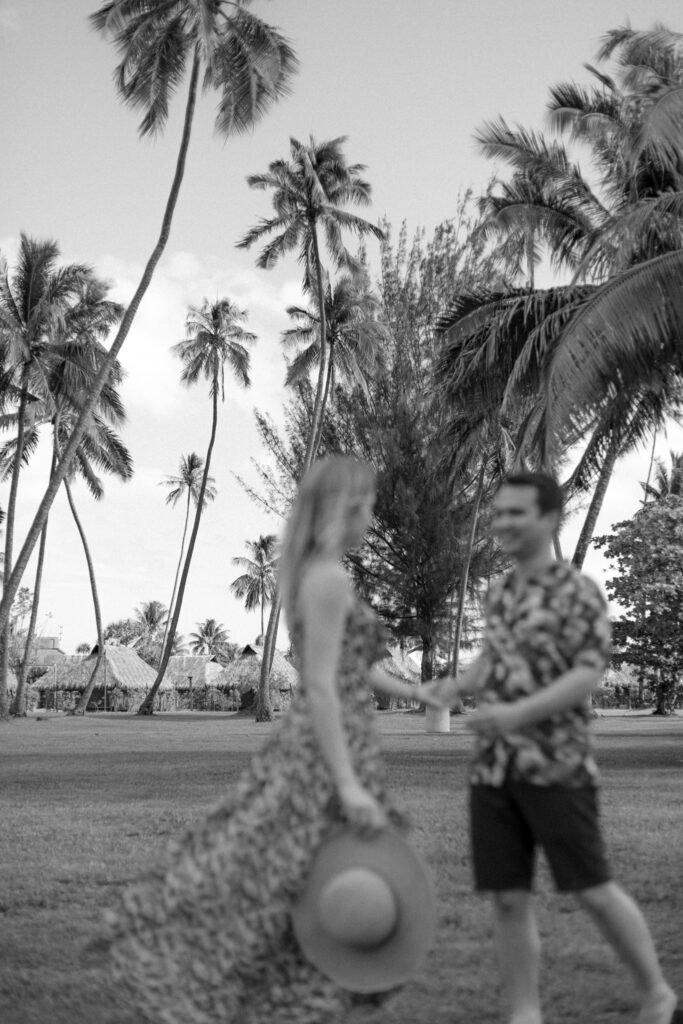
[(517, 947), (621, 922)]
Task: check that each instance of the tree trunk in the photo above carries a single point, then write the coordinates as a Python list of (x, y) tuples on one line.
[(82, 705), (264, 711), (591, 519), (649, 468), (19, 706), (9, 542), (147, 706), (12, 584), (177, 572), (462, 589)]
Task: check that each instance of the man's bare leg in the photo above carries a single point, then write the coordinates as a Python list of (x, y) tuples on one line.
[(518, 948), (623, 925)]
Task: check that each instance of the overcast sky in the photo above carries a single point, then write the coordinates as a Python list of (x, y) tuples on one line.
[(408, 81)]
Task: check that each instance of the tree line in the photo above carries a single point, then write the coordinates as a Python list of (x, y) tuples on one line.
[(447, 369)]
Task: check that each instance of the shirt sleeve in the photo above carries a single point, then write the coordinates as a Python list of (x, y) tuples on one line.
[(588, 627)]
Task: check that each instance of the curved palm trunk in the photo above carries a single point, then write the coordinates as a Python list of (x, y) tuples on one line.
[(177, 572), (147, 706), (12, 584), (9, 542), (591, 519), (19, 705), (462, 589), (264, 711), (82, 705), (649, 468)]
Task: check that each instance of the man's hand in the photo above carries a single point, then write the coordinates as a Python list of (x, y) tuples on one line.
[(497, 719)]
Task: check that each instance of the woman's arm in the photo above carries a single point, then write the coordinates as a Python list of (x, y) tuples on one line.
[(323, 604)]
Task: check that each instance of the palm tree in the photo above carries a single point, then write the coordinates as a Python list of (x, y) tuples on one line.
[(150, 616), (250, 65), (355, 335), (188, 483), (666, 483), (211, 638), (215, 337), (310, 193), (257, 583), (627, 232), (52, 320)]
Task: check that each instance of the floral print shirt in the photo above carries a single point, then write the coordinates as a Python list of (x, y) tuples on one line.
[(536, 630)]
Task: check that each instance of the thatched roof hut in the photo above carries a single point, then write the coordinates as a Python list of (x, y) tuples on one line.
[(122, 680), (244, 673), (203, 669)]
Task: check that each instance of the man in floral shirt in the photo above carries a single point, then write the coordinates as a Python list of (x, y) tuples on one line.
[(533, 776)]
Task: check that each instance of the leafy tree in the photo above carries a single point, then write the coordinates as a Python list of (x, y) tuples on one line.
[(142, 636), (187, 483), (211, 638), (257, 583), (648, 585), (215, 338), (84, 648), (250, 65)]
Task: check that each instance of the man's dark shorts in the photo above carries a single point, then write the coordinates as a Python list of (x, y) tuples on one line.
[(508, 823)]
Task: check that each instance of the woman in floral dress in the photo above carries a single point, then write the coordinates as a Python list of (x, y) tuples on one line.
[(207, 939)]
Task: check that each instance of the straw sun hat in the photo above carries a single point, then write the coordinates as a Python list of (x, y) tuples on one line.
[(367, 914)]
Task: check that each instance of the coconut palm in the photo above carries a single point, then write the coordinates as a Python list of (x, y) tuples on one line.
[(215, 338), (52, 322), (624, 231), (310, 193), (256, 585), (188, 484), (355, 335), (211, 638), (233, 52)]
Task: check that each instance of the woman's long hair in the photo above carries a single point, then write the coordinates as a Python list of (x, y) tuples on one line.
[(318, 523)]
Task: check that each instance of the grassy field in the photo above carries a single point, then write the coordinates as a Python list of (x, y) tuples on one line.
[(86, 803)]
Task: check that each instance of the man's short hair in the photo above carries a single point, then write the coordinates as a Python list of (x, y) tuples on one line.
[(549, 497)]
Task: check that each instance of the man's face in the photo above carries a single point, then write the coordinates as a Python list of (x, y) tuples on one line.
[(520, 527)]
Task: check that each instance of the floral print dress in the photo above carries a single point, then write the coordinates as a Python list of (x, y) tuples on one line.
[(207, 938)]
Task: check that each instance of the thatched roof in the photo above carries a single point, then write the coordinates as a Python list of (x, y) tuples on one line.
[(121, 667), (245, 671), (204, 669)]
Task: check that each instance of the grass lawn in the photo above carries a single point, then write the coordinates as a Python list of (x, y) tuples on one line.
[(86, 803)]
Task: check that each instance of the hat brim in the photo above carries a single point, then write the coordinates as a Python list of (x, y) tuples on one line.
[(389, 964)]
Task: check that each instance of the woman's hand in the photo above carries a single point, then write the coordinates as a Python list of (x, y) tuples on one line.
[(362, 810)]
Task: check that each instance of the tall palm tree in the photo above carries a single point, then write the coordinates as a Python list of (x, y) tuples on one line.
[(257, 583), (215, 338), (211, 638), (100, 450), (628, 230), (355, 336), (52, 321), (235, 53), (188, 483), (310, 193)]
